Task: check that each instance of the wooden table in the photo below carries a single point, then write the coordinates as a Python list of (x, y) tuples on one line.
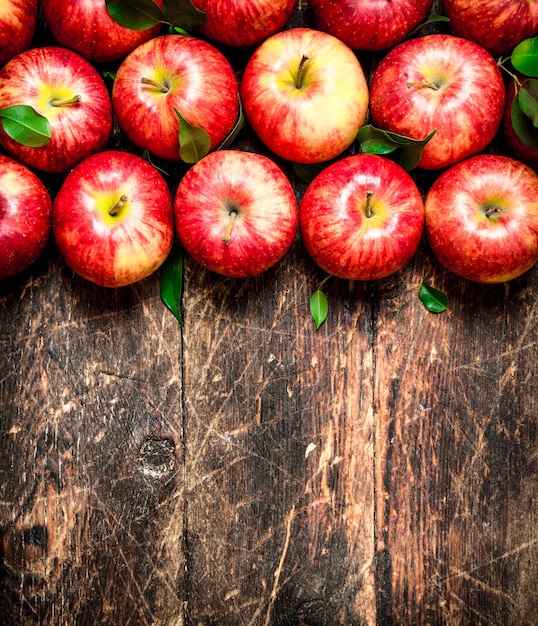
[(248, 469)]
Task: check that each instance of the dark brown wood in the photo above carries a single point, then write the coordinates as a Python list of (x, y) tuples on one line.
[(248, 469)]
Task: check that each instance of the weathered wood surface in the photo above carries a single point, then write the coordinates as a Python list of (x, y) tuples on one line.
[(247, 469)]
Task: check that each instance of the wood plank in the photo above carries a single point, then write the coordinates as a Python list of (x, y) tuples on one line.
[(456, 421), (278, 453), (91, 441)]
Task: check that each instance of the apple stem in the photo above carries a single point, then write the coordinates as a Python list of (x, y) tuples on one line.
[(492, 210), (233, 216), (115, 208), (299, 79), (58, 102), (154, 83), (368, 206), (423, 83)]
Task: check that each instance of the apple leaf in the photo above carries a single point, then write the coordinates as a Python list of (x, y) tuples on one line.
[(434, 18), (524, 57), (523, 126), (25, 125), (194, 142), (319, 307), (171, 279), (434, 300), (528, 100), (404, 150), (235, 130), (135, 14), (183, 14)]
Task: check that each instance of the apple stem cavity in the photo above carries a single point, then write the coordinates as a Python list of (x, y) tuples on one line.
[(231, 221), (157, 85), (62, 102), (117, 206), (301, 72)]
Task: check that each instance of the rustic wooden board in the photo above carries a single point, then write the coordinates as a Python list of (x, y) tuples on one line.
[(248, 469)]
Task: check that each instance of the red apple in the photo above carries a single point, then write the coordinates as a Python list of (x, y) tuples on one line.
[(482, 218), (175, 73), (442, 83), (86, 27), (66, 89), (236, 213), (305, 95), (18, 20), (367, 24), (112, 219), (244, 23), (362, 218), (25, 217), (497, 25)]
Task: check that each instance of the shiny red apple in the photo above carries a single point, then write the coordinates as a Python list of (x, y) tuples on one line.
[(68, 91), (86, 27), (112, 219), (482, 218), (18, 20), (362, 218), (170, 75), (305, 95), (25, 217), (236, 213), (367, 25), (244, 22), (497, 25), (442, 83)]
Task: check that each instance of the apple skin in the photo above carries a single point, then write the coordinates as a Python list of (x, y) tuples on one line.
[(244, 23), (18, 20), (25, 217), (201, 84), (497, 25), (121, 249), (340, 234), (36, 77), (256, 188), (367, 25), (465, 104), (317, 121), (464, 239), (86, 27)]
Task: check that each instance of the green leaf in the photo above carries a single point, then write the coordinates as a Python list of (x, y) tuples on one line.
[(194, 142), (404, 150), (528, 100), (434, 300), (25, 125), (524, 57), (319, 307), (183, 14), (308, 171), (135, 14), (434, 18), (523, 126), (235, 130), (171, 278)]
